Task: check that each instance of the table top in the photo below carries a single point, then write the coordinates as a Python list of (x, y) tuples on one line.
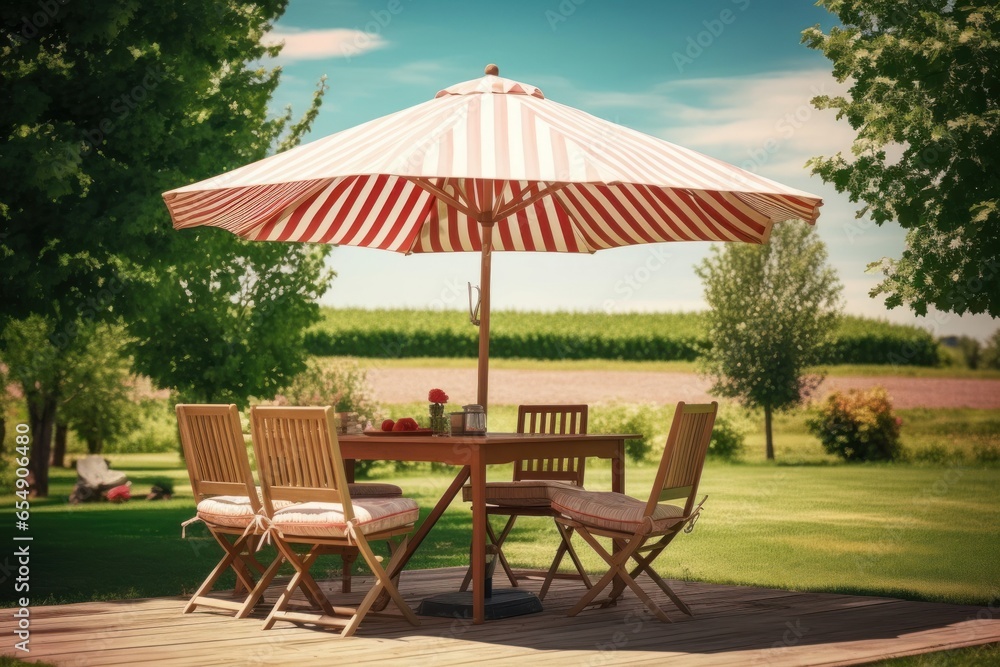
[(488, 439), (488, 449)]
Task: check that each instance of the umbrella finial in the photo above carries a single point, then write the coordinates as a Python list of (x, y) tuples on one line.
[(492, 69)]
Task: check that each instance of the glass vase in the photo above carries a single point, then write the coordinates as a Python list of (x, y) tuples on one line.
[(439, 422)]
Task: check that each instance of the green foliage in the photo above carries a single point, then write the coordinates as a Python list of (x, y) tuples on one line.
[(392, 334), (105, 108), (991, 351), (728, 437), (343, 384), (96, 397), (924, 79), (513, 334), (646, 420), (859, 425), (774, 308), (155, 431), (244, 308)]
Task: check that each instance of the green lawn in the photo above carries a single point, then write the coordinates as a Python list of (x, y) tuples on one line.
[(926, 532), (838, 370)]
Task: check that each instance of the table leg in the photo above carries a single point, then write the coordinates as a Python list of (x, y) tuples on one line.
[(618, 486), (478, 537), (618, 469), (449, 495)]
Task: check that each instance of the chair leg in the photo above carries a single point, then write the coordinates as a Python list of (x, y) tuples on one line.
[(258, 592), (345, 576), (382, 582), (498, 543), (603, 582), (302, 579), (232, 558), (565, 546), (644, 564)]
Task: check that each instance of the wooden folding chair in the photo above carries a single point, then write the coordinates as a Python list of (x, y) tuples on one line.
[(299, 461), (641, 530), (529, 494), (219, 468)]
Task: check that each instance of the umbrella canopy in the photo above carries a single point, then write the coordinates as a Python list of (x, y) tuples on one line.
[(490, 164)]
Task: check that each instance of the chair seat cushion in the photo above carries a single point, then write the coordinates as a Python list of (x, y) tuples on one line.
[(526, 493), (374, 490), (614, 511), (231, 511), (373, 515)]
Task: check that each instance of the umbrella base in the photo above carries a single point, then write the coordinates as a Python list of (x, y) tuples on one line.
[(505, 603)]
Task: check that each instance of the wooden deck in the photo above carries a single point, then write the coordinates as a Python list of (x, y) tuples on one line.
[(732, 626)]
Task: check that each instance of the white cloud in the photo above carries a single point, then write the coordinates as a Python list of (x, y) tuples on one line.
[(319, 44), (765, 123)]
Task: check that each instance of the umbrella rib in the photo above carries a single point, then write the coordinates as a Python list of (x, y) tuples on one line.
[(439, 193), (515, 206)]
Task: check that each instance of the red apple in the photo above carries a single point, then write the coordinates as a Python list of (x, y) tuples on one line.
[(400, 425), (388, 424)]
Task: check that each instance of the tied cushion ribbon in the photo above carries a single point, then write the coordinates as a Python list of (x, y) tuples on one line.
[(262, 525), (695, 515), (185, 524)]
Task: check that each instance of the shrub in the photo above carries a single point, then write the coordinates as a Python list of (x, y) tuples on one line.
[(154, 430), (728, 438), (344, 385), (938, 455), (986, 453), (628, 419), (858, 425), (991, 351)]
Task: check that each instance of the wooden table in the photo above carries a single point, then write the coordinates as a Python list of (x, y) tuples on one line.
[(473, 454)]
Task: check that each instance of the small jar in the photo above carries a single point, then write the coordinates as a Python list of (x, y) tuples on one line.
[(475, 420)]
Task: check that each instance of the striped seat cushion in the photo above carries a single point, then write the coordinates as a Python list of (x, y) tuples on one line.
[(374, 490), (614, 511), (526, 493), (230, 511), (327, 519)]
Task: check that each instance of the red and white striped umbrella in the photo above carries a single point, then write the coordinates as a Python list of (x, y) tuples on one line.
[(490, 164)]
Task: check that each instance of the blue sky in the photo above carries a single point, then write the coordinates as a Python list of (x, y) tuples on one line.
[(728, 78)]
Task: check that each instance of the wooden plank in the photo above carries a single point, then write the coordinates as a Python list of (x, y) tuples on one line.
[(733, 625)]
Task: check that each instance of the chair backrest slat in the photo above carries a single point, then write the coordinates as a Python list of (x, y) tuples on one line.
[(298, 456), (215, 451), (552, 419), (684, 455)]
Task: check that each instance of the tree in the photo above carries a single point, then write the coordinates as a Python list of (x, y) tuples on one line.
[(925, 102), (96, 400), (773, 308), (991, 351), (229, 323), (35, 364), (106, 107)]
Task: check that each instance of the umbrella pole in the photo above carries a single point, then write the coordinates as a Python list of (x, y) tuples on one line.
[(484, 315)]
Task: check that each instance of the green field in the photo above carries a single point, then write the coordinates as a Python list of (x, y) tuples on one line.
[(594, 335)]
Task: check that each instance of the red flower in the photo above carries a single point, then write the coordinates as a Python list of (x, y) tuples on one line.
[(437, 396)]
